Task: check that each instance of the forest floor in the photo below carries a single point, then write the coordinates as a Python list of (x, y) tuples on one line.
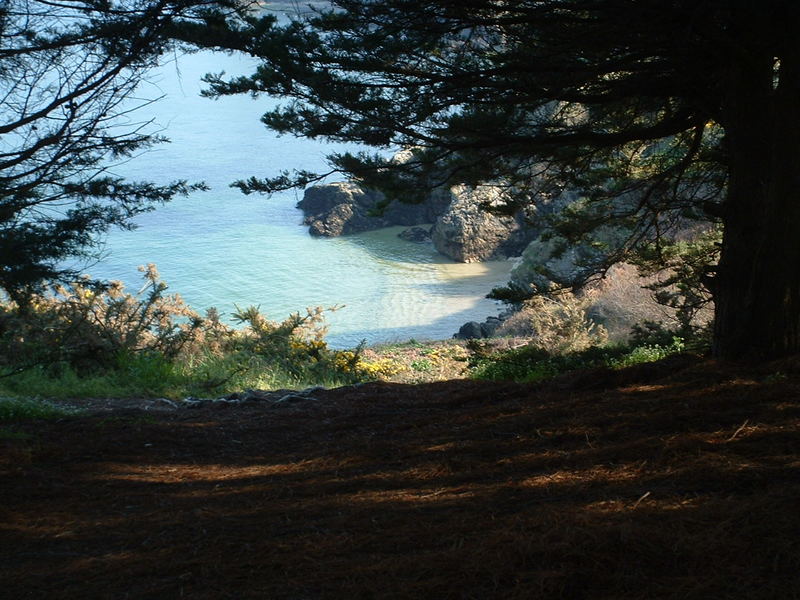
[(677, 479)]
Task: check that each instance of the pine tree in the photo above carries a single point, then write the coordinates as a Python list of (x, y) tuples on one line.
[(653, 112), (67, 72)]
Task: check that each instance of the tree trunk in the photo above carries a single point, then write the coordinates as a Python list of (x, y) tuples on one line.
[(757, 289)]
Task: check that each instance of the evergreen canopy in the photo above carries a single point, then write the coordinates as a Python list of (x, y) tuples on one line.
[(67, 72), (653, 111)]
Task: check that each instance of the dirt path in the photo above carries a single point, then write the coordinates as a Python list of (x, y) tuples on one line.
[(681, 481)]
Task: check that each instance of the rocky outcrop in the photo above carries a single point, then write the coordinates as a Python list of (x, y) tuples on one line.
[(474, 330), (553, 262), (463, 229), (334, 209), (468, 232), (273, 399)]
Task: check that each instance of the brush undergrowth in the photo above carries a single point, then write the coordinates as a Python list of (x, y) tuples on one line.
[(532, 363), (88, 341), (565, 339)]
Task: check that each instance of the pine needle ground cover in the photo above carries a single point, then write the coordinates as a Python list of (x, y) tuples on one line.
[(677, 479)]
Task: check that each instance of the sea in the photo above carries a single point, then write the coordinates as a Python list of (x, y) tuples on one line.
[(222, 249)]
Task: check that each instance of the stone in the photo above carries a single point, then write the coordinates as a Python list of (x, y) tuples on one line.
[(335, 209), (463, 229), (273, 398), (469, 331), (467, 232), (311, 390), (161, 404), (192, 402), (341, 208), (292, 398), (415, 234), (490, 326), (553, 262)]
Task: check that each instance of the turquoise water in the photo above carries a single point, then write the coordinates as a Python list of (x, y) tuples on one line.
[(221, 248)]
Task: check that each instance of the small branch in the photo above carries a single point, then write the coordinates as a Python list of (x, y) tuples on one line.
[(738, 431), (645, 495)]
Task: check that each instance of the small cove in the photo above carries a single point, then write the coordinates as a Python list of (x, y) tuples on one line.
[(221, 248)]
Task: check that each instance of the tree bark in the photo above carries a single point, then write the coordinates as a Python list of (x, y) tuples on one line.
[(757, 288)]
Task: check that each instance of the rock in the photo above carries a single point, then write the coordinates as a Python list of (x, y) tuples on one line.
[(415, 234), (254, 396), (161, 404), (554, 262), (273, 398), (335, 209), (319, 199), (467, 232), (311, 390), (469, 331), (192, 402), (340, 208), (490, 326), (487, 329), (292, 398), (463, 230)]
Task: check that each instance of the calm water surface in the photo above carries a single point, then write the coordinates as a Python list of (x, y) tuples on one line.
[(221, 248)]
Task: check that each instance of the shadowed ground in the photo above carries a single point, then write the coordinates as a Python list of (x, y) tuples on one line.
[(674, 480)]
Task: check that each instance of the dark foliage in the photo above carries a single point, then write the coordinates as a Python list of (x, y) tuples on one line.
[(651, 114), (67, 73)]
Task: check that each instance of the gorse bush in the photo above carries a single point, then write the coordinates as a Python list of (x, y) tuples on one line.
[(296, 347), (353, 362), (557, 323), (89, 327), (296, 344), (97, 339)]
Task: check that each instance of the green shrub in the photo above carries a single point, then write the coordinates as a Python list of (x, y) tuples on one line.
[(531, 363), (527, 363), (645, 354), (422, 365), (557, 323), (83, 340)]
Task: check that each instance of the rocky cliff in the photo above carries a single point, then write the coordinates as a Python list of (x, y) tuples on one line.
[(463, 230), (468, 232), (334, 209)]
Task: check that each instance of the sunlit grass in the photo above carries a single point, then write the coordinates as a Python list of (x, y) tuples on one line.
[(154, 376)]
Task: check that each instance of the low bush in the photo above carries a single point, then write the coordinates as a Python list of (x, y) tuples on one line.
[(645, 354), (82, 340), (557, 323), (90, 341), (531, 363)]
